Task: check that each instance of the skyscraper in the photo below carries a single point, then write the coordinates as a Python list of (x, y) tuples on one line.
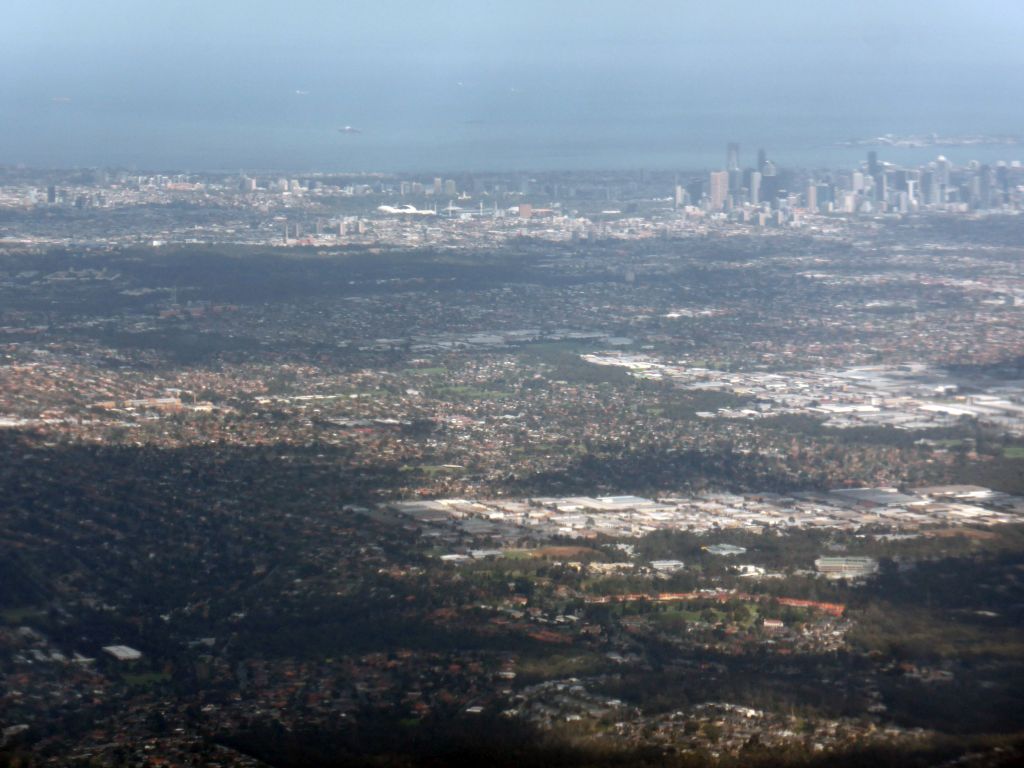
[(929, 188), (942, 178), (812, 198), (985, 186), (732, 156), (873, 163), (881, 187), (755, 187), (718, 189)]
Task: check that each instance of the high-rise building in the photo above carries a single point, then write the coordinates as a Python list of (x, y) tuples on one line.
[(735, 180), (812, 198), (985, 186), (755, 188), (450, 188), (826, 196), (881, 187), (438, 185), (873, 163), (929, 189), (762, 158), (695, 190), (943, 183), (51, 194), (1002, 179), (718, 189), (732, 156), (770, 182)]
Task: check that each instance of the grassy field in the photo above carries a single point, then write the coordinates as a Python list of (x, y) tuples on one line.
[(555, 666), (470, 393), (18, 615), (146, 679)]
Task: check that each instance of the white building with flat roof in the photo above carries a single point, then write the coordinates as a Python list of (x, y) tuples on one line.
[(846, 567), (122, 652)]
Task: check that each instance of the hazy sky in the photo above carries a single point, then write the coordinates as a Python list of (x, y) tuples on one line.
[(218, 82)]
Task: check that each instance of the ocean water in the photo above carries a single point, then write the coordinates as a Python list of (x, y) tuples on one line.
[(435, 141), (471, 86)]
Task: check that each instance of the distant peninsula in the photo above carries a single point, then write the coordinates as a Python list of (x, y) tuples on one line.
[(932, 140)]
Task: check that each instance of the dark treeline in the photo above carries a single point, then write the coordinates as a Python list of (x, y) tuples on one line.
[(487, 740)]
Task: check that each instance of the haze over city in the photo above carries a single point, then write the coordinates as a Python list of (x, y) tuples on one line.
[(473, 86), (526, 385)]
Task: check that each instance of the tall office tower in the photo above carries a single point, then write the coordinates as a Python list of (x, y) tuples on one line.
[(912, 191), (437, 185), (985, 186), (762, 158), (812, 198), (857, 182), (770, 182), (929, 189), (912, 182), (680, 198), (735, 180), (718, 189), (755, 188), (732, 156), (450, 188), (943, 172), (51, 194), (695, 190), (881, 187), (873, 163), (826, 196), (1002, 179)]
